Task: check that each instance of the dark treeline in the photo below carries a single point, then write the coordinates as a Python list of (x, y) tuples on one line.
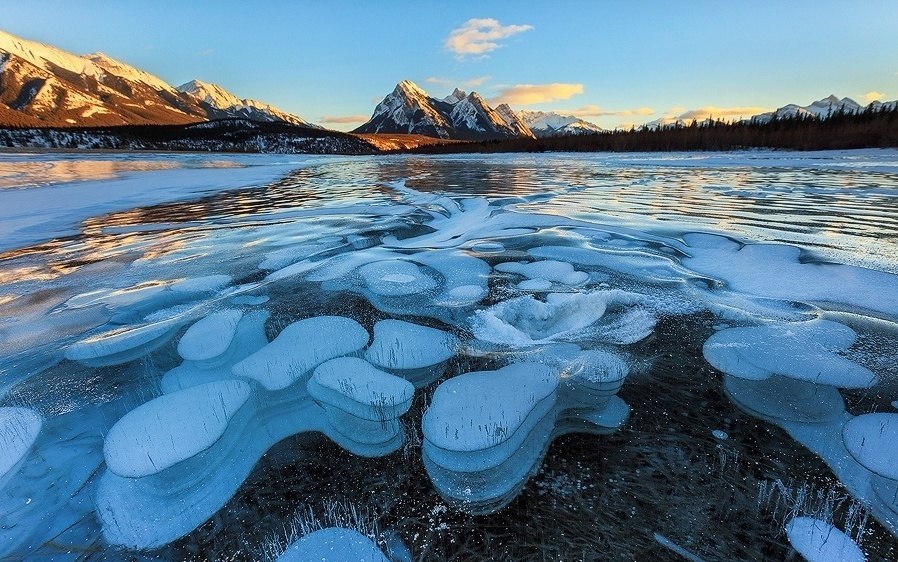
[(871, 128)]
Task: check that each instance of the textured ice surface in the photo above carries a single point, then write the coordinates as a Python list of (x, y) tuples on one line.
[(806, 351), (819, 541), (872, 439), (300, 347), (19, 428), (416, 353), (124, 344), (358, 388), (248, 338), (395, 278), (775, 271), (172, 428), (333, 545), (210, 337), (526, 320), (550, 271)]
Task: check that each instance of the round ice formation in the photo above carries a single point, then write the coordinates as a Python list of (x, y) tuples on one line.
[(250, 300), (395, 278), (872, 439), (356, 387), (299, 348), (249, 337), (122, 344), (19, 428), (525, 320), (636, 262), (210, 337), (805, 351), (416, 353), (488, 247), (205, 284), (779, 399), (550, 271), (819, 541), (172, 427), (535, 285), (333, 544), (483, 409)]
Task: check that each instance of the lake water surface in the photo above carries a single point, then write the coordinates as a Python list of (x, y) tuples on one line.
[(707, 350)]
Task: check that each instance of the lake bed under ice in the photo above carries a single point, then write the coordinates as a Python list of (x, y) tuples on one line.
[(504, 357)]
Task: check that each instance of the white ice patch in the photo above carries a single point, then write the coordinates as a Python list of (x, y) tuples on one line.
[(299, 348), (819, 541), (172, 428), (775, 271), (400, 345), (395, 278), (872, 439), (333, 544), (19, 428), (806, 351), (546, 270), (210, 337), (358, 388)]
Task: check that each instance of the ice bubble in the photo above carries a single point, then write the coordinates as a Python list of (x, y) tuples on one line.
[(467, 414), (720, 435), (359, 389), (465, 277), (872, 439), (819, 541), (488, 247), (777, 271), (172, 427), (416, 353), (124, 344), (777, 399), (536, 285), (249, 337), (805, 350), (641, 264), (299, 348), (19, 428), (547, 270), (395, 278), (210, 337), (333, 544), (205, 284)]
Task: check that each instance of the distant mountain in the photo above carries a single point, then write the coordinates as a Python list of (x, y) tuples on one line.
[(551, 124), (222, 104), (819, 109), (409, 109), (41, 85)]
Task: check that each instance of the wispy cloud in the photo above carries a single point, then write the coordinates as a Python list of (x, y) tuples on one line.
[(205, 52), (479, 36), (591, 110), (709, 111), (529, 94), (450, 82), (343, 119), (438, 81), (475, 82), (874, 96)]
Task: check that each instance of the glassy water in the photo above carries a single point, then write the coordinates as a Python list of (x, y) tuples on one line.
[(673, 355)]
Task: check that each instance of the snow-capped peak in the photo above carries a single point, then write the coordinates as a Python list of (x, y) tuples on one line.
[(126, 71), (456, 96), (550, 123), (223, 100)]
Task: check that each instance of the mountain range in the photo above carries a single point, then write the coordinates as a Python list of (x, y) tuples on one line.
[(41, 85), (460, 115)]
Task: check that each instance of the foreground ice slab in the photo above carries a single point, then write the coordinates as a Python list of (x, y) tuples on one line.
[(210, 337), (818, 541), (806, 351), (486, 432), (333, 545), (19, 428)]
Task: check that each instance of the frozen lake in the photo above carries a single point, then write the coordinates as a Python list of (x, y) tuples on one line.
[(509, 357)]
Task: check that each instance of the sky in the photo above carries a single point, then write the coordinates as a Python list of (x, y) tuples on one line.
[(614, 63)]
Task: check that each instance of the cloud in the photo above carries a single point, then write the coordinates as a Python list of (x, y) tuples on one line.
[(529, 94), (343, 119), (712, 111), (475, 82), (437, 80), (595, 111), (479, 36), (205, 52), (874, 96)]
